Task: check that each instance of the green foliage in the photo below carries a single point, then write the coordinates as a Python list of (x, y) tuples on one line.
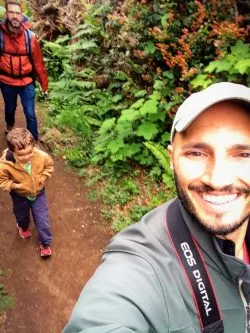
[(2, 12), (201, 80), (234, 66), (6, 301), (118, 80), (93, 195), (56, 56), (161, 155), (135, 212), (122, 221), (75, 157), (126, 194), (119, 192), (121, 139)]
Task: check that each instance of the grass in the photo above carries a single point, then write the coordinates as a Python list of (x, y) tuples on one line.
[(6, 301), (124, 199)]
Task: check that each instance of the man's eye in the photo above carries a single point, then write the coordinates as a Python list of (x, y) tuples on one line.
[(12, 13), (244, 155), (194, 153)]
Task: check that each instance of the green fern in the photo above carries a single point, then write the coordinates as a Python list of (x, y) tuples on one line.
[(83, 44), (161, 155), (85, 29), (107, 125)]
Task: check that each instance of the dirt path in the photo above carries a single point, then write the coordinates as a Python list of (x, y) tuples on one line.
[(46, 290)]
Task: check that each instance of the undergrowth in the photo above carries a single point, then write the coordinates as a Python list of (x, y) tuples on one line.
[(125, 198), (6, 301), (126, 192), (117, 81)]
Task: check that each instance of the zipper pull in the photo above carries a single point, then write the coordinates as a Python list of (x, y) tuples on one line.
[(248, 315)]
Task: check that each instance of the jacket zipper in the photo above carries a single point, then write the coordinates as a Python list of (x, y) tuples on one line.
[(246, 306), (248, 317)]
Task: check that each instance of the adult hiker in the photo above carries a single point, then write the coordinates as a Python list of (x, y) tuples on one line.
[(21, 61), (184, 268)]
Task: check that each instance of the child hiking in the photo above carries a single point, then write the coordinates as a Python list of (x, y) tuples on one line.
[(23, 172)]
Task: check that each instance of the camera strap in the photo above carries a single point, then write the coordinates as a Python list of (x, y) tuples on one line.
[(194, 268)]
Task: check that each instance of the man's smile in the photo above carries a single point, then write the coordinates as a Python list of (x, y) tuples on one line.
[(219, 199), (219, 203)]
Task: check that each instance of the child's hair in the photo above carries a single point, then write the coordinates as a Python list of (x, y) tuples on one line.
[(19, 138)]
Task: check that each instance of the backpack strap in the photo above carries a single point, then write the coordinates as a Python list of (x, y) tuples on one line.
[(1, 41), (28, 35), (10, 157), (194, 269)]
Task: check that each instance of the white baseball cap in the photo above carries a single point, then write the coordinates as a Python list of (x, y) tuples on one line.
[(198, 102)]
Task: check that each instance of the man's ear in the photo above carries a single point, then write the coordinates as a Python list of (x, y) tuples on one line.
[(170, 153)]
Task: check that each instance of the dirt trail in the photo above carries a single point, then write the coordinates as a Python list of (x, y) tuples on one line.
[(46, 290)]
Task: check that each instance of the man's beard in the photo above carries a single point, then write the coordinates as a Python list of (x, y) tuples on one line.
[(17, 26), (223, 230)]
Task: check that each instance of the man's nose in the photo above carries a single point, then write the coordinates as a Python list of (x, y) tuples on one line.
[(218, 174)]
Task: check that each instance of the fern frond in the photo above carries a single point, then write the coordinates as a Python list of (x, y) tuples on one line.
[(85, 30), (62, 39), (161, 154), (83, 45)]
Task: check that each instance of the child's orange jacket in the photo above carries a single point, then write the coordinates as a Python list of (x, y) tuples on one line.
[(13, 172)]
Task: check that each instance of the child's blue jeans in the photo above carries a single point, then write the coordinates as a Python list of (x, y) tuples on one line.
[(27, 96), (39, 209)]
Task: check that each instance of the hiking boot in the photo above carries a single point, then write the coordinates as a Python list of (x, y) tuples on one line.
[(45, 250), (8, 129), (23, 233)]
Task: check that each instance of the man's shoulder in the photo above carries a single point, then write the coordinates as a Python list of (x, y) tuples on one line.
[(148, 233), (24, 29), (3, 26), (30, 32), (154, 220)]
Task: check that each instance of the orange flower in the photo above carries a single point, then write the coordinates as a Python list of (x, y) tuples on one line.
[(179, 90), (200, 16)]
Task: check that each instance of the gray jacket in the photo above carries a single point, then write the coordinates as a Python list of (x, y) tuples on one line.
[(140, 286)]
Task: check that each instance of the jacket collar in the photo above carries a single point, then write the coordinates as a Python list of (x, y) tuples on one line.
[(4, 26), (8, 158)]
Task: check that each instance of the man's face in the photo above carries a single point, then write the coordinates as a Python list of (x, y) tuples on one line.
[(14, 16), (211, 161), (25, 155)]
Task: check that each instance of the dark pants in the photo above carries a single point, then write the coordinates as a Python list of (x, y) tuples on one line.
[(27, 96), (39, 209)]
